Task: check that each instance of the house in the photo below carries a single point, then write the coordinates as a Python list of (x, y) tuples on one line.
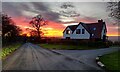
[(95, 31)]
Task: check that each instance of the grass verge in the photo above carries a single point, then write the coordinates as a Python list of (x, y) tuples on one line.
[(9, 49), (111, 61), (65, 47)]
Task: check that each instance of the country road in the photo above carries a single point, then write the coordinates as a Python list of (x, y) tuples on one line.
[(33, 57)]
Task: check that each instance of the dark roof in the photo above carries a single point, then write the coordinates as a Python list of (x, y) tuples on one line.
[(72, 27), (91, 26)]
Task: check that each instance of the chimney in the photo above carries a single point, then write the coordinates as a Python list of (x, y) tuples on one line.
[(100, 21)]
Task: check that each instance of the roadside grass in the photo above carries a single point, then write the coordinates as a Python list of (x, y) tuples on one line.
[(111, 61), (9, 49), (65, 47)]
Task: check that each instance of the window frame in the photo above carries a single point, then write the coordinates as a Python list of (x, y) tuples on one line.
[(78, 31), (68, 32), (83, 31)]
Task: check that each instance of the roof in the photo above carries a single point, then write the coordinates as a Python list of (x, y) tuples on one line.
[(92, 28), (72, 28)]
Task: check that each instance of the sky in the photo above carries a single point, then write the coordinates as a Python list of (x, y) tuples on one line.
[(58, 16)]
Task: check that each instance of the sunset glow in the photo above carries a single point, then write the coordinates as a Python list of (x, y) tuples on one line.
[(22, 13)]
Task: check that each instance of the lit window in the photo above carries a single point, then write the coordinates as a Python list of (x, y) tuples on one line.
[(78, 31), (94, 28), (83, 31), (68, 32), (92, 34)]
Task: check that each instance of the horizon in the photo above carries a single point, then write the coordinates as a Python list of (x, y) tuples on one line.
[(57, 17)]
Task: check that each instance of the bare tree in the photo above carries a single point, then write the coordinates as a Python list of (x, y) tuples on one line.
[(114, 8), (37, 22)]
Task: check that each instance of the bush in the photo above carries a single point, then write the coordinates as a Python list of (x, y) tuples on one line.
[(116, 43)]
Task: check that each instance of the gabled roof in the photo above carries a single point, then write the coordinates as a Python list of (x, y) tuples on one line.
[(72, 28)]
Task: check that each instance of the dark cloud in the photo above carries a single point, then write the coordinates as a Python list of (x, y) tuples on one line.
[(40, 6), (15, 9), (67, 10), (68, 22), (9, 8), (90, 18), (67, 5), (51, 16)]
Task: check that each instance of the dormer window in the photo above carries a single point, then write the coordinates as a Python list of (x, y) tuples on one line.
[(94, 28), (78, 31), (68, 32), (83, 31)]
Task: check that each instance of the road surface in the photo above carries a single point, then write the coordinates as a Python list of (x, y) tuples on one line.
[(87, 56), (33, 57)]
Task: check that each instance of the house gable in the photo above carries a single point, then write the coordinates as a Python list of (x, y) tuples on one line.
[(104, 31), (65, 34), (86, 34), (71, 27)]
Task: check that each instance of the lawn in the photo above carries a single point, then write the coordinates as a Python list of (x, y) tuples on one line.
[(9, 49), (65, 47), (111, 61)]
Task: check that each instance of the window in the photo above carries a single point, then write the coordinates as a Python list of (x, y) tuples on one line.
[(83, 31), (78, 31), (94, 28), (92, 34), (67, 31)]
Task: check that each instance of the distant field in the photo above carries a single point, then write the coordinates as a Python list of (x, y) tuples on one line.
[(65, 47), (113, 38), (111, 61)]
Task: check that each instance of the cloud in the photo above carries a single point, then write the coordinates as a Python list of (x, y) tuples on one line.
[(29, 9), (11, 9), (40, 6)]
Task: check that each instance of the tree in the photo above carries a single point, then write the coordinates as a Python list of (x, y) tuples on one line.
[(114, 7), (37, 22), (33, 33), (9, 30)]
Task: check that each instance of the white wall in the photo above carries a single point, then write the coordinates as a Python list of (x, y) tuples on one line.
[(102, 33), (86, 35), (67, 35)]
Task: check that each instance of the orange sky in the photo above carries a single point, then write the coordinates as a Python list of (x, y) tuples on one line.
[(59, 17), (52, 29)]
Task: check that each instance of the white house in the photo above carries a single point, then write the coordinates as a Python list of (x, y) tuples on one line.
[(86, 31)]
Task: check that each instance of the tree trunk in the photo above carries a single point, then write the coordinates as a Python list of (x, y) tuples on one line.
[(38, 34)]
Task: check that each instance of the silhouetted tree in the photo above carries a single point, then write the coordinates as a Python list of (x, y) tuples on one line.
[(114, 7), (37, 22), (9, 29), (33, 33)]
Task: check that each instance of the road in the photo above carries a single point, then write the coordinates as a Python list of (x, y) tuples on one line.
[(87, 56), (33, 57)]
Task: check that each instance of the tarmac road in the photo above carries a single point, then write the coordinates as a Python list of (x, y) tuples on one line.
[(87, 56), (33, 57)]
